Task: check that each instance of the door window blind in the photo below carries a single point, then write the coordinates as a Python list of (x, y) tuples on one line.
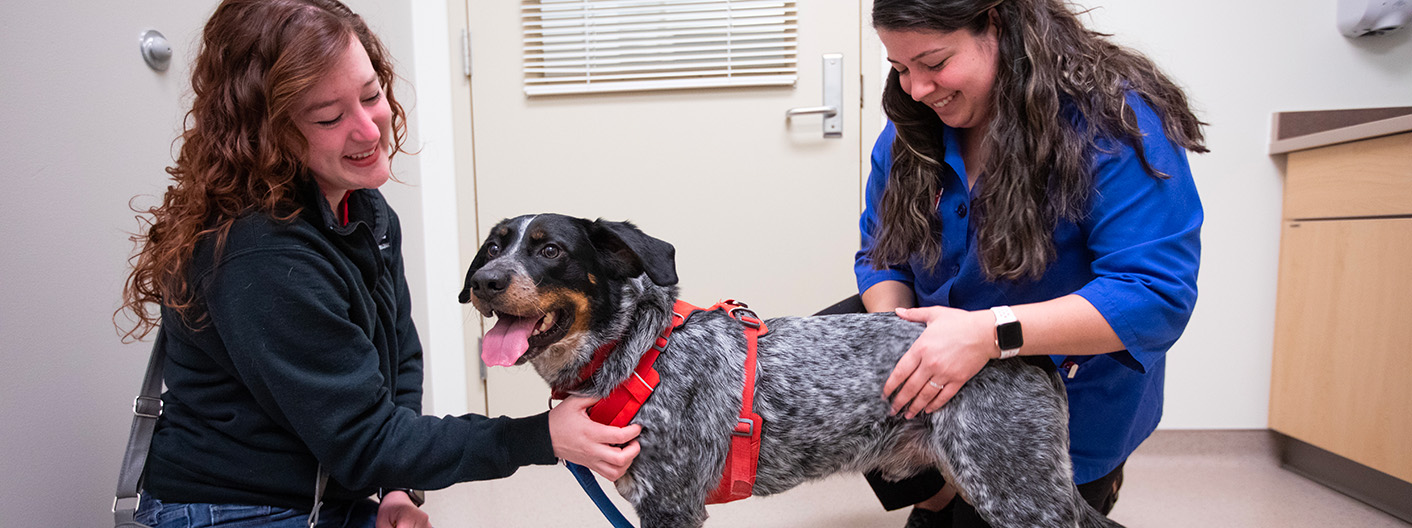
[(583, 46)]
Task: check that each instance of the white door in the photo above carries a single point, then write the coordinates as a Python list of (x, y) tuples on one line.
[(760, 208)]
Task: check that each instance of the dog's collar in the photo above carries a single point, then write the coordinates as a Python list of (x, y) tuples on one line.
[(599, 356), (680, 311)]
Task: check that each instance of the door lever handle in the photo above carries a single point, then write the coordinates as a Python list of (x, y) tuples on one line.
[(828, 111), (833, 97)]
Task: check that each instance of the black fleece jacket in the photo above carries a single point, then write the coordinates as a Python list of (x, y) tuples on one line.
[(308, 355)]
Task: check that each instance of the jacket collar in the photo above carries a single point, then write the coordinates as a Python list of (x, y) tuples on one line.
[(365, 207)]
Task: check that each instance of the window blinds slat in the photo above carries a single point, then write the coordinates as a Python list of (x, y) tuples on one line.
[(699, 63), (580, 7), (661, 84), (652, 52), (659, 18), (778, 30), (659, 39), (583, 46), (725, 23), (658, 9), (569, 5), (659, 75)]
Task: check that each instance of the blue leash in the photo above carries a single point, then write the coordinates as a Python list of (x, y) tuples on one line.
[(590, 486)]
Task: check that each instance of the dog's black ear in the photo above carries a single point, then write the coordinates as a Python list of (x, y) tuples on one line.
[(628, 251)]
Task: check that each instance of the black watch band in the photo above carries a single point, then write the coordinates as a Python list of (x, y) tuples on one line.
[(419, 497)]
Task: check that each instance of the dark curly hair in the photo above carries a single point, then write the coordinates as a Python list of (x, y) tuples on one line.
[(1039, 168), (240, 147)]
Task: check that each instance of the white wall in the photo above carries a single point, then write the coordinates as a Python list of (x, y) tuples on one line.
[(1241, 62), (87, 126)]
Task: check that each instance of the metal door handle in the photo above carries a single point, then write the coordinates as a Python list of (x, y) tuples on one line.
[(833, 97), (828, 111)]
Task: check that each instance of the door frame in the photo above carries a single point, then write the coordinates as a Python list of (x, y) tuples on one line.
[(442, 149)]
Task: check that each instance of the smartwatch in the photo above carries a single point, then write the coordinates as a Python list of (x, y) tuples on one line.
[(1007, 332), (419, 497)]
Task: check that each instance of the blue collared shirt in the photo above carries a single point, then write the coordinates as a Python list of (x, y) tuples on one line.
[(1134, 257)]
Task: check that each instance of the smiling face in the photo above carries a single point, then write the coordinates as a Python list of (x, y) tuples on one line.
[(347, 123), (951, 72)]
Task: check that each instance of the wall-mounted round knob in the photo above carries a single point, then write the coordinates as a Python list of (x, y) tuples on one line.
[(156, 50)]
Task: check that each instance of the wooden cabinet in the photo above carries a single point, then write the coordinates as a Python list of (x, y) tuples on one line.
[(1365, 178), (1342, 375), (1342, 370)]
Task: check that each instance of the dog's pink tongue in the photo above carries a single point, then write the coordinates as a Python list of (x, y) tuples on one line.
[(507, 341)]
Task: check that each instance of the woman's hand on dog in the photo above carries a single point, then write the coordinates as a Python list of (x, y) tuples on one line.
[(605, 449), (953, 348)]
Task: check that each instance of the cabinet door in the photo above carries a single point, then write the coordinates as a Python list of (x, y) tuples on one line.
[(1342, 375)]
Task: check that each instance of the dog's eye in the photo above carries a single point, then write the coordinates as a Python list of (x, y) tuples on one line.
[(551, 252), (493, 250)]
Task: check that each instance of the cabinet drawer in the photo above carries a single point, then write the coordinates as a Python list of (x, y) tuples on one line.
[(1371, 177)]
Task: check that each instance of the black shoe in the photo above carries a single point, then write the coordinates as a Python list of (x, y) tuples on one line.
[(923, 518)]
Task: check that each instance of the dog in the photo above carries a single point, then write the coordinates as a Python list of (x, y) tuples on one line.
[(561, 287)]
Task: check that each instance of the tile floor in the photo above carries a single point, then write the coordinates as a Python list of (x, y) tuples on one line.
[(1176, 479)]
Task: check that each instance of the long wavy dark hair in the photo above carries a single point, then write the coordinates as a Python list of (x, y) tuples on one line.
[(240, 150), (1038, 168)]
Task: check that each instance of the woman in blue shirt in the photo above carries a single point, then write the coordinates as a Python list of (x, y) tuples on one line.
[(1032, 172)]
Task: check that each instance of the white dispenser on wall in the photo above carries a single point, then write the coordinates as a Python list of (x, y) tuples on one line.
[(1357, 18)]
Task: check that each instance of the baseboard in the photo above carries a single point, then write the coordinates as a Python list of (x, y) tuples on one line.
[(1377, 489)]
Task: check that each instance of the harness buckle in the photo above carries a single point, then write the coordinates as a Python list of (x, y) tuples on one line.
[(741, 312), (744, 427)]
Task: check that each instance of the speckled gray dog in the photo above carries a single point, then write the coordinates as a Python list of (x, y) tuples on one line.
[(562, 286)]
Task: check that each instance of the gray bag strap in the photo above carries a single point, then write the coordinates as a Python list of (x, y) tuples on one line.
[(145, 410), (320, 483)]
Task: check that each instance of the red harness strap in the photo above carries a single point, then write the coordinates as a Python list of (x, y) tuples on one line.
[(742, 461), (621, 405)]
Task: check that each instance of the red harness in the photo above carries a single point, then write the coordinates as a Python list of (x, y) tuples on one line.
[(621, 405)]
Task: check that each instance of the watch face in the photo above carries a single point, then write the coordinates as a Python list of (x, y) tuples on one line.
[(1008, 336)]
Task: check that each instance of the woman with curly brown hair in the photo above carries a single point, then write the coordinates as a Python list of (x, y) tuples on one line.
[(275, 268), (1032, 173)]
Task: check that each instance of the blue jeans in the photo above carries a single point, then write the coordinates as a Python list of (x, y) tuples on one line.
[(158, 514)]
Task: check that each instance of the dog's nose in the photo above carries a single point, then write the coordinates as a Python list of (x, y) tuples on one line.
[(488, 283)]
